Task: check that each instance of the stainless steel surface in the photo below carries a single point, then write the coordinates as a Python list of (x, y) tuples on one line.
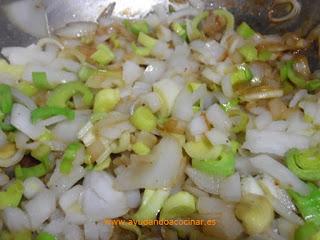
[(255, 12)]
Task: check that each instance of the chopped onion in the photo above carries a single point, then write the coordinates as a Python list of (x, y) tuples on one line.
[(167, 153), (108, 202), (210, 184), (230, 188), (32, 186), (21, 119), (272, 167), (77, 29), (294, 11), (23, 99), (38, 215), (298, 97), (15, 219)]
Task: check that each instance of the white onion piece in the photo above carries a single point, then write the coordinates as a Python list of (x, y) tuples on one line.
[(72, 232), (77, 29), (249, 185), (67, 131), (32, 186), (28, 17), (131, 72), (162, 51), (263, 95), (182, 13), (3, 138), (214, 208), (60, 182), (182, 108), (8, 162), (210, 184), (227, 86), (297, 97), (31, 54), (133, 198), (286, 228), (211, 75), (114, 131), (216, 136), (22, 142), (70, 197), (52, 120), (274, 142), (154, 71), (91, 231), (275, 169), (263, 119), (21, 119), (4, 179), (66, 64), (218, 118), (198, 126), (40, 208), (244, 166), (210, 52), (46, 41), (167, 153), (23, 99), (230, 188), (108, 202), (56, 225), (152, 100), (15, 219)]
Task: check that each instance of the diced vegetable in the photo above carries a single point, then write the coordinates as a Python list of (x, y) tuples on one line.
[(36, 171), (202, 149), (68, 157), (178, 205), (141, 51), (6, 100), (7, 151), (245, 31), (313, 85), (61, 94), (180, 30), (309, 205), (255, 212), (304, 163), (287, 72), (14, 70), (146, 41), (103, 55), (243, 74), (306, 232), (243, 120), (46, 112), (45, 236), (227, 15), (230, 104), (192, 28), (12, 196), (249, 52), (264, 55), (40, 80), (27, 89), (85, 72), (151, 204), (105, 100), (143, 119), (140, 148), (136, 26), (223, 165)]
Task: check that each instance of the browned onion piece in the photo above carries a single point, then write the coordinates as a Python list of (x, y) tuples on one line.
[(295, 10)]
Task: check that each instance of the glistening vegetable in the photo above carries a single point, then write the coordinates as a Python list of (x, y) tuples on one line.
[(69, 156), (308, 206), (6, 101), (304, 163), (46, 112), (144, 119), (12, 196), (61, 94)]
